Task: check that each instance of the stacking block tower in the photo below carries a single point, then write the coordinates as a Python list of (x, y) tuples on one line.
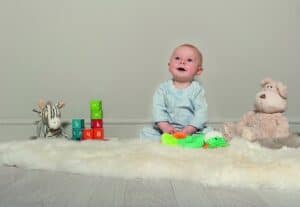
[(79, 132), (77, 127), (97, 119), (96, 131)]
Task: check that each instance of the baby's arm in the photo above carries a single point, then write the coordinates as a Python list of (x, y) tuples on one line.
[(200, 111), (160, 112), (189, 129), (166, 127)]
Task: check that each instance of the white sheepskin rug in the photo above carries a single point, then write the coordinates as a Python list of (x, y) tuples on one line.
[(242, 164)]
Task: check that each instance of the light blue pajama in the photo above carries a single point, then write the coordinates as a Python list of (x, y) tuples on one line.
[(179, 107)]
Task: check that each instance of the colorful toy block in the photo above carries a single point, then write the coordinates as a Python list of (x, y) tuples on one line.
[(87, 134), (76, 134), (96, 123), (77, 126), (77, 123), (96, 105), (98, 133), (96, 114)]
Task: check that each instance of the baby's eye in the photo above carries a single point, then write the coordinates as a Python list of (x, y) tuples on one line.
[(190, 60), (177, 58)]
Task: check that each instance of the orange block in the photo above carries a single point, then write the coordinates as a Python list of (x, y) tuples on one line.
[(87, 134), (98, 133)]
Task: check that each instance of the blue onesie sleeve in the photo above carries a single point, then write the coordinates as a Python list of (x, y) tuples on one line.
[(160, 111), (200, 108)]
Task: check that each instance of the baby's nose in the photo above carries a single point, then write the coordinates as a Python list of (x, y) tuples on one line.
[(182, 61), (263, 96)]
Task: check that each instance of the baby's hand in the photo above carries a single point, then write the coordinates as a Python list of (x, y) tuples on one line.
[(189, 129), (166, 127)]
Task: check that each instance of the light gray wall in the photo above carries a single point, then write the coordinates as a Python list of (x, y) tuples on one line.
[(117, 51)]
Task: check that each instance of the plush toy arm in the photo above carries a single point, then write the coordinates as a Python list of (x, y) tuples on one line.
[(247, 118), (282, 129), (37, 111)]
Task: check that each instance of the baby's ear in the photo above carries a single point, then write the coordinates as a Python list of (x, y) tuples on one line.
[(200, 70), (282, 90), (41, 104), (265, 81)]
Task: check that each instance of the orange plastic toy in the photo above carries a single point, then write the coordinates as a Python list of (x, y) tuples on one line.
[(179, 135)]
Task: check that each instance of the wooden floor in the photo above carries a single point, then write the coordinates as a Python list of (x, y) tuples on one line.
[(20, 187)]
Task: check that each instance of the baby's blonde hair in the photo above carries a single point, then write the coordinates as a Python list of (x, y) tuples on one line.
[(195, 49)]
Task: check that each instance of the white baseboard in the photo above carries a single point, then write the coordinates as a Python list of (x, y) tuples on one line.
[(119, 121), (15, 129)]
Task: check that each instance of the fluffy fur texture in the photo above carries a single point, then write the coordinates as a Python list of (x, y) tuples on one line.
[(266, 121), (242, 164)]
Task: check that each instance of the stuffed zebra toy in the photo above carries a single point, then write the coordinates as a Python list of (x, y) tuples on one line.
[(50, 124)]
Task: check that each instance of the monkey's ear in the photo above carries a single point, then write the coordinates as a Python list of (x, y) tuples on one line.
[(41, 104)]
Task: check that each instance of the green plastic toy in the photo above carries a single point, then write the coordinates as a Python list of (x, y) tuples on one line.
[(195, 141), (168, 139), (216, 142)]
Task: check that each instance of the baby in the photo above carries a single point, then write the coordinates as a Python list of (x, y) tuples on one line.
[(179, 104)]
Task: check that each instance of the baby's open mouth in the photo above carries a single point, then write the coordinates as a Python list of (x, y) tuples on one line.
[(181, 69)]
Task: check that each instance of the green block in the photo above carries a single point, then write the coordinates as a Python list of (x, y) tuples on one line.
[(95, 105), (96, 114)]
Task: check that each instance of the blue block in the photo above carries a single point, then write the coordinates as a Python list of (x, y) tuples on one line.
[(77, 123), (76, 134)]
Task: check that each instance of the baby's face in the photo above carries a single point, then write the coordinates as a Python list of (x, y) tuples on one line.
[(184, 64)]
